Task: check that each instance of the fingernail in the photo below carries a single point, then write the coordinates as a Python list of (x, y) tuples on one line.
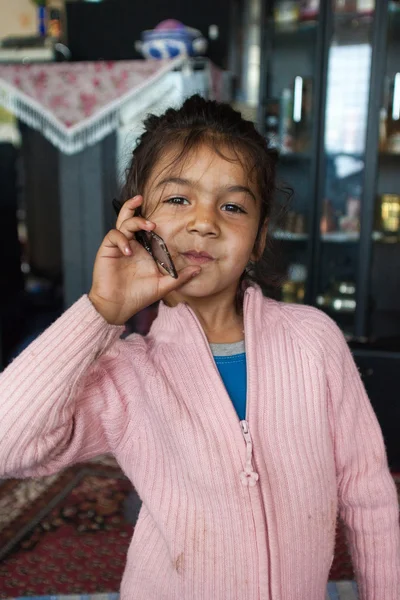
[(149, 223), (195, 273), (128, 250)]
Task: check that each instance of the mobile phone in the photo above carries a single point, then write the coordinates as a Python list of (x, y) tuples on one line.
[(153, 243)]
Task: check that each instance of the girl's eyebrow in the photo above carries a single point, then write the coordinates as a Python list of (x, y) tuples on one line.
[(225, 189), (239, 189)]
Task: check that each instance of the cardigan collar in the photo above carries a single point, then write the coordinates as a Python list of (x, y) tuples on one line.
[(175, 324)]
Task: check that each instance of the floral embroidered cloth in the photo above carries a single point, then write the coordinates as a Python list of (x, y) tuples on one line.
[(76, 104)]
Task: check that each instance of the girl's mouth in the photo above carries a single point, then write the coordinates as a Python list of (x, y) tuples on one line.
[(199, 258)]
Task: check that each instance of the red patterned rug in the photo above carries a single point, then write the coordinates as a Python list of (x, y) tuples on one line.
[(71, 536), (68, 534)]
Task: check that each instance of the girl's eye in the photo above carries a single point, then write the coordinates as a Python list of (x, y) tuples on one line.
[(233, 208), (176, 200)]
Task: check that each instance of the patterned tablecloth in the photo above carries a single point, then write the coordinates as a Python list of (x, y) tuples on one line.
[(77, 104), (339, 590)]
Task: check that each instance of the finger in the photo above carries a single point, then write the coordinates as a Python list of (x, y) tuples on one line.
[(131, 226), (168, 284), (128, 209), (116, 239)]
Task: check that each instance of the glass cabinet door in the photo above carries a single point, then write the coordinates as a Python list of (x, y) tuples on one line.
[(384, 298), (288, 120), (346, 117)]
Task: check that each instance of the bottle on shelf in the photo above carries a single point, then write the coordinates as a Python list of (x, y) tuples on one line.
[(294, 222), (340, 297), (350, 222), (293, 290), (383, 129), (54, 28), (272, 133), (41, 17), (295, 116), (328, 220), (286, 141), (302, 112), (393, 116)]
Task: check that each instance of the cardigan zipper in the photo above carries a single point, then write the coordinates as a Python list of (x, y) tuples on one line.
[(248, 477)]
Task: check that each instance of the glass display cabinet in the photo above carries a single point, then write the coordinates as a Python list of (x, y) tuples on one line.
[(330, 103)]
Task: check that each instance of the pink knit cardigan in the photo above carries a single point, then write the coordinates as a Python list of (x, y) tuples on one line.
[(231, 510)]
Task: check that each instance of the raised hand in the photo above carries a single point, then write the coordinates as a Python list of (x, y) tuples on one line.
[(126, 278)]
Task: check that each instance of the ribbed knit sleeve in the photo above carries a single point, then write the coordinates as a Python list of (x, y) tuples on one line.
[(367, 495), (52, 396)]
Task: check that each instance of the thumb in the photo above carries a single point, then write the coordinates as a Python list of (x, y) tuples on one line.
[(168, 284)]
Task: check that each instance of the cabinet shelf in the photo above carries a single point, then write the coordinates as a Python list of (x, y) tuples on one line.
[(341, 237), (294, 156), (386, 238), (293, 27), (336, 237), (343, 15), (355, 155), (279, 234), (389, 155)]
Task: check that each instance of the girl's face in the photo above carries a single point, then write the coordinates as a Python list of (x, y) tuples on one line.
[(207, 211)]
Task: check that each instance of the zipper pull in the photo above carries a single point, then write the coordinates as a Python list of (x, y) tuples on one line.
[(248, 477)]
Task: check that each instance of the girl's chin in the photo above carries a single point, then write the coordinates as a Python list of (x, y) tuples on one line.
[(198, 286), (203, 286)]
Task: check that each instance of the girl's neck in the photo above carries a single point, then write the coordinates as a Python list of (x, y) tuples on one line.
[(218, 316)]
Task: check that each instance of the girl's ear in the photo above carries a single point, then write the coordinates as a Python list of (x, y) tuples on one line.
[(259, 247)]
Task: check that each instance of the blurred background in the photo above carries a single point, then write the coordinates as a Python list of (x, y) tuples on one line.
[(319, 78)]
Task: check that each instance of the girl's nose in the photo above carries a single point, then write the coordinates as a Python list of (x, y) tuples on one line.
[(204, 221)]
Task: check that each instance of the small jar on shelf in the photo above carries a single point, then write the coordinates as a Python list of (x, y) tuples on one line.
[(389, 213), (355, 6), (293, 290), (345, 6), (286, 11), (309, 10)]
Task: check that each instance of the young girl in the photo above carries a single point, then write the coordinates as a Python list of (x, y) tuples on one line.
[(241, 421)]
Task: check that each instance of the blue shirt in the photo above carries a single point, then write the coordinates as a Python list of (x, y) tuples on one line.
[(233, 373)]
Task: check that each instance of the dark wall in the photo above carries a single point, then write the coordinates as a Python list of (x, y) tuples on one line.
[(108, 30), (11, 280)]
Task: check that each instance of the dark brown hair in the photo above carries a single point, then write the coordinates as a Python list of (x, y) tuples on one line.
[(199, 121)]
